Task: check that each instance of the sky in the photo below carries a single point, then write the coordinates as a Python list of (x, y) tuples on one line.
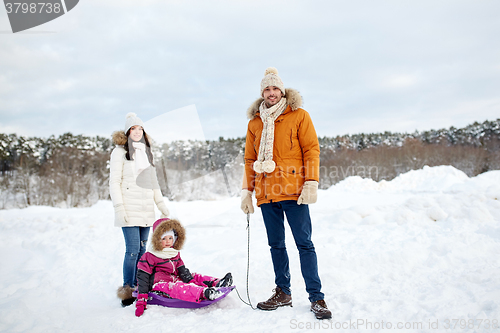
[(360, 66)]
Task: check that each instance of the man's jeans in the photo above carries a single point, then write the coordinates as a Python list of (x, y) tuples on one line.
[(300, 223)]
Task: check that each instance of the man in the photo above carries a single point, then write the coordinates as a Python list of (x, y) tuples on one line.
[(282, 167)]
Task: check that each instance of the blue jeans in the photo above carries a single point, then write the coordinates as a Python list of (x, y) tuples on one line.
[(300, 223), (136, 239)]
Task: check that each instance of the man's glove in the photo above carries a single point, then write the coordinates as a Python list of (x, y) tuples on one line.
[(246, 202), (309, 193), (140, 304)]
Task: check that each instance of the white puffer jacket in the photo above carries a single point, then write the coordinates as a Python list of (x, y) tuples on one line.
[(137, 201)]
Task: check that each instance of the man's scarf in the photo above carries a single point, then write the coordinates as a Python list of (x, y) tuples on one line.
[(265, 161)]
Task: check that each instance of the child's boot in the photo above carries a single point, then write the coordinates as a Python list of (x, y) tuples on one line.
[(226, 281), (210, 293)]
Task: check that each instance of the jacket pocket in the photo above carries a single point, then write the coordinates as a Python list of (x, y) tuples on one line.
[(259, 186), (291, 180)]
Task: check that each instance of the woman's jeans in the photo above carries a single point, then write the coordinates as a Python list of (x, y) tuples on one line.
[(136, 239), (300, 224)]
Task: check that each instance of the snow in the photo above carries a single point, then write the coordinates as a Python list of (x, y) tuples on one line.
[(421, 250)]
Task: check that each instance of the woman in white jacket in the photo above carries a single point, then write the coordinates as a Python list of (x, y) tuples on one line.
[(134, 191)]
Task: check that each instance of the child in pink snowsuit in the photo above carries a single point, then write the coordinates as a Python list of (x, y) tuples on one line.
[(162, 269)]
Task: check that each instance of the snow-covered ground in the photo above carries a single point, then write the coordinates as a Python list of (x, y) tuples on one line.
[(421, 252)]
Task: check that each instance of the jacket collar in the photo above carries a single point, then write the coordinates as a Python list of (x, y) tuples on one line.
[(293, 100)]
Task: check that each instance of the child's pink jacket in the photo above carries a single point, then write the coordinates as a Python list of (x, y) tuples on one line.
[(160, 270)]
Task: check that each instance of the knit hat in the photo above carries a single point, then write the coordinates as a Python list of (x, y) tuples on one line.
[(170, 232), (271, 78), (131, 119)]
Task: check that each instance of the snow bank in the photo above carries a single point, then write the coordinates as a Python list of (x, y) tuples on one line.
[(416, 252), (427, 179)]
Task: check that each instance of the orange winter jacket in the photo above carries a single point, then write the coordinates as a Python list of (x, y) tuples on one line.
[(296, 152)]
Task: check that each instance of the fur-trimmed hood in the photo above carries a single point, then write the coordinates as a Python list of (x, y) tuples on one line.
[(120, 138), (292, 96), (161, 226)]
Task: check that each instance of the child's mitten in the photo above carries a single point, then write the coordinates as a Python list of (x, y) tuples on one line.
[(140, 304), (184, 274)]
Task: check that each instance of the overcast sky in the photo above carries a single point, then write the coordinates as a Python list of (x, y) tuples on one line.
[(361, 66)]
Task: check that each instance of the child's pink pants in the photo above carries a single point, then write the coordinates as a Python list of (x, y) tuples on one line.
[(191, 292)]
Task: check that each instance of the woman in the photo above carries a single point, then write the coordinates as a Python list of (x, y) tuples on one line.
[(134, 190)]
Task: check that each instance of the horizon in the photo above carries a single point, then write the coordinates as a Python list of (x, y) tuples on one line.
[(242, 137)]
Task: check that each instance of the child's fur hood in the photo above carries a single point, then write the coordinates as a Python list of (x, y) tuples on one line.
[(292, 96), (120, 138), (165, 226)]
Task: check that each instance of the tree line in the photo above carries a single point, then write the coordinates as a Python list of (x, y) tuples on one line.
[(73, 170)]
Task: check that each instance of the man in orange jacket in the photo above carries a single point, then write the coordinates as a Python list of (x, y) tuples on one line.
[(282, 168)]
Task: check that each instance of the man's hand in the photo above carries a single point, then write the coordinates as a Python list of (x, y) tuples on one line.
[(246, 202), (309, 193)]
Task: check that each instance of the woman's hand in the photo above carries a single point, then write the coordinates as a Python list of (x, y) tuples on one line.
[(121, 215)]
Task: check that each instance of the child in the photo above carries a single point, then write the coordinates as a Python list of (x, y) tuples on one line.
[(162, 269)]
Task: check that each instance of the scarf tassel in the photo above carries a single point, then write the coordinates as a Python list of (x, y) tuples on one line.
[(266, 166)]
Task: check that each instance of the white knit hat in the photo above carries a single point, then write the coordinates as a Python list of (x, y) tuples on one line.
[(271, 78), (131, 119), (170, 233)]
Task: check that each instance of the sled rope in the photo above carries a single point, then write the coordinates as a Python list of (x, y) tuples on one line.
[(249, 303)]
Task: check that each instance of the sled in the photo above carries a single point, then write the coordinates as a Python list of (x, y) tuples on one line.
[(155, 299)]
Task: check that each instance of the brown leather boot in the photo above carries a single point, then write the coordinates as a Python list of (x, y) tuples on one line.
[(320, 310), (278, 299)]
